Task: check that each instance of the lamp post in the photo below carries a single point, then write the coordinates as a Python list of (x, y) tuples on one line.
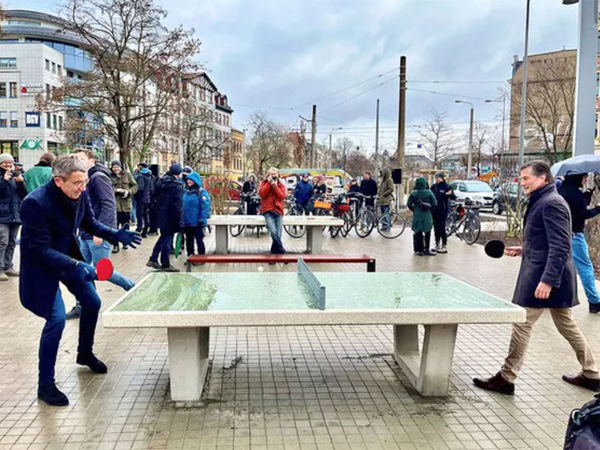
[(470, 155), (587, 66), (503, 101)]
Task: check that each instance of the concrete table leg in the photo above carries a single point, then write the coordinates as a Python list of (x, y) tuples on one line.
[(430, 373), (221, 239), (314, 239), (188, 362)]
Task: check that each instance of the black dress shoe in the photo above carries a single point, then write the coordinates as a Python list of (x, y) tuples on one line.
[(153, 264), (92, 362), (497, 383), (429, 253), (583, 381), (594, 308), (169, 269), (50, 394), (115, 249), (75, 313)]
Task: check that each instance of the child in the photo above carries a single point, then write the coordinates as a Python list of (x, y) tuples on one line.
[(196, 211), (421, 202)]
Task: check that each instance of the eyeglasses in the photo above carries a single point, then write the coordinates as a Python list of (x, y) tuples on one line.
[(77, 184)]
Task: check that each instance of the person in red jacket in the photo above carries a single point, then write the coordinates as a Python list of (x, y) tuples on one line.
[(272, 193)]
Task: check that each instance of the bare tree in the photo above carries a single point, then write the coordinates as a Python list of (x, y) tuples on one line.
[(138, 68), (439, 139), (270, 143), (550, 108)]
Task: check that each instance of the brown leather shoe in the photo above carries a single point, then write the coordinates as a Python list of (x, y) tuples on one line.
[(583, 381), (497, 383)]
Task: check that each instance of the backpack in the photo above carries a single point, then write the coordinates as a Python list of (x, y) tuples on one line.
[(583, 432)]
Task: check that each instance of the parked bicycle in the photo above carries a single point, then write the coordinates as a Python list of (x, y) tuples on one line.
[(252, 199), (464, 221), (293, 209)]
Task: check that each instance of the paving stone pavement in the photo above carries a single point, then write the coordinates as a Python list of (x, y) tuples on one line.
[(333, 387)]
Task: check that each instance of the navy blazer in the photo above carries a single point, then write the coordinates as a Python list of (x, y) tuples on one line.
[(49, 249)]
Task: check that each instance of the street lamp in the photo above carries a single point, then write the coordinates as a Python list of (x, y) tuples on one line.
[(470, 155)]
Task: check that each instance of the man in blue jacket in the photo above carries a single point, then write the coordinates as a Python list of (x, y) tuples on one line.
[(303, 193), (51, 217), (547, 282), (169, 192)]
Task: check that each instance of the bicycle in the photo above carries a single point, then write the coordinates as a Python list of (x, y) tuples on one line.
[(360, 216), (466, 218), (295, 231), (390, 224), (242, 210)]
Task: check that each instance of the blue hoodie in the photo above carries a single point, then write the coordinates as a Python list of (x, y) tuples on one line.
[(196, 203)]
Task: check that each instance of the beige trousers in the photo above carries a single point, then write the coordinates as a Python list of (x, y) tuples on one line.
[(563, 320)]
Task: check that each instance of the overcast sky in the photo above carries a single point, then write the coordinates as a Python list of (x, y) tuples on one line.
[(277, 55)]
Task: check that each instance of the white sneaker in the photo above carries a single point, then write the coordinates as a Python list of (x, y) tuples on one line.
[(3, 276), (443, 249)]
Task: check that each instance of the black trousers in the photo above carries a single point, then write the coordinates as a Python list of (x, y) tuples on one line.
[(143, 217), (123, 218), (421, 241), (439, 227), (197, 234)]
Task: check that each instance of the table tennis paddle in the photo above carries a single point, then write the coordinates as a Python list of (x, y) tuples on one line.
[(495, 249), (104, 269)]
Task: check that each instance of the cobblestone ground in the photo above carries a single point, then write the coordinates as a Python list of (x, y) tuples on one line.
[(291, 387)]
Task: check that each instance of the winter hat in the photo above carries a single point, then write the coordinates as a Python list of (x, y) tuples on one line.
[(440, 175), (187, 169), (6, 157), (143, 165), (116, 163), (175, 169)]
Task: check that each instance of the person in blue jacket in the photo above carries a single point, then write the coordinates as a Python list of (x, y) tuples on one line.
[(52, 215), (169, 194), (196, 212), (303, 192)]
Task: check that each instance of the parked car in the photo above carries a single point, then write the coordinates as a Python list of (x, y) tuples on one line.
[(215, 185), (506, 193), (476, 191)]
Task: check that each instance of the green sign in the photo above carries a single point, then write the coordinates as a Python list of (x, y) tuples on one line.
[(32, 144)]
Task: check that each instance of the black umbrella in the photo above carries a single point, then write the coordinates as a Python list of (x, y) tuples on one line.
[(577, 165)]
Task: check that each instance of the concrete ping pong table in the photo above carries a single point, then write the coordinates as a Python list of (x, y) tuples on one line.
[(188, 304), (315, 225)]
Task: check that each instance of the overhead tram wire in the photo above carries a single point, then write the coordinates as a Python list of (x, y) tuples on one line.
[(362, 93)]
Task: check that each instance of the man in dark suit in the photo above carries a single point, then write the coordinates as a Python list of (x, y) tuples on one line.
[(52, 216), (547, 281)]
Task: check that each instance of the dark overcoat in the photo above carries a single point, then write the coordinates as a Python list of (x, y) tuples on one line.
[(169, 192), (49, 249), (547, 252)]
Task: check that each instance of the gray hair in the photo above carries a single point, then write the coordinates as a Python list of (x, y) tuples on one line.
[(65, 165)]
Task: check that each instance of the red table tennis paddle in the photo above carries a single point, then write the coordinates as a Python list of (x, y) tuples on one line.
[(104, 269)]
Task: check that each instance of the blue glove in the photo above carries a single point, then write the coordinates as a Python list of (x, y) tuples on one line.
[(85, 271), (128, 238)]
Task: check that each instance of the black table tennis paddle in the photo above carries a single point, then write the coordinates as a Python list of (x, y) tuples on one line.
[(495, 249)]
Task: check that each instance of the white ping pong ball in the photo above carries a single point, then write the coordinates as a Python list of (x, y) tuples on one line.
[(260, 268)]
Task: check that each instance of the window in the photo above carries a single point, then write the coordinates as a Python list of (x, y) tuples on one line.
[(48, 91), (48, 120), (70, 73), (54, 121), (13, 90), (8, 63), (2, 90), (14, 119), (59, 69), (60, 123), (3, 119), (202, 95), (48, 65), (53, 67)]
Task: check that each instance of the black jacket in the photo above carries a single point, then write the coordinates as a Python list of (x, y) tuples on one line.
[(169, 194), (102, 197), (145, 183), (547, 252), (11, 196), (440, 190), (369, 187), (571, 192)]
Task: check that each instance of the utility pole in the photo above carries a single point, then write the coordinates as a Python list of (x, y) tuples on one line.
[(377, 141), (524, 90), (313, 136), (470, 157), (330, 154), (401, 128)]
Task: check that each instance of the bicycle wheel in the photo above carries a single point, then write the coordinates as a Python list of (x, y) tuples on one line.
[(450, 225), (365, 222), (236, 230), (471, 230), (334, 231), (347, 224), (391, 225), (295, 231)]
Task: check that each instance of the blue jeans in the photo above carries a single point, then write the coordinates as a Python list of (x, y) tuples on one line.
[(275, 227), (581, 257), (385, 209), (162, 248), (93, 253), (86, 295)]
